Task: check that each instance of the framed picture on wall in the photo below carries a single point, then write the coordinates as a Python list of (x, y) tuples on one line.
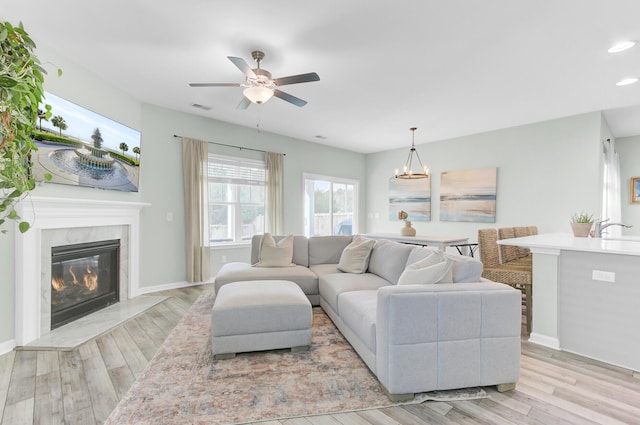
[(411, 196), (635, 190), (469, 195)]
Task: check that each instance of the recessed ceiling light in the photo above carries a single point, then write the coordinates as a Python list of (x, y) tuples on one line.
[(627, 81), (622, 46)]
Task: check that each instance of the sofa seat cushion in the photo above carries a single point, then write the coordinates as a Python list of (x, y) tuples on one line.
[(322, 269), (358, 311), (332, 285), (236, 272)]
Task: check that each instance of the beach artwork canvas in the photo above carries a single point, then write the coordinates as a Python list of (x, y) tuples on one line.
[(468, 195), (82, 148), (412, 196)]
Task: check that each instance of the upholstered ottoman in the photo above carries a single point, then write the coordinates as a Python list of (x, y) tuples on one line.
[(260, 315)]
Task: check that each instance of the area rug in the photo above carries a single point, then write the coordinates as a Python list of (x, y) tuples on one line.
[(183, 384)]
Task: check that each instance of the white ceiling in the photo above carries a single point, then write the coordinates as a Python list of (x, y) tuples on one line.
[(450, 68)]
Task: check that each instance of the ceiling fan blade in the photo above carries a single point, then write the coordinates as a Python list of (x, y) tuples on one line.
[(214, 84), (289, 98), (244, 103), (242, 66), (295, 79)]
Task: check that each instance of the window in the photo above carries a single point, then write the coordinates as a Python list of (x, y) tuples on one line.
[(236, 198), (330, 206)]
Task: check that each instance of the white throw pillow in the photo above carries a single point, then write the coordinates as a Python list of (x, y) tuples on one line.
[(433, 257), (432, 269), (355, 257), (272, 254)]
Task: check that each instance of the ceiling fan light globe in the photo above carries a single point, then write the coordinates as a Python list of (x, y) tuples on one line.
[(258, 94)]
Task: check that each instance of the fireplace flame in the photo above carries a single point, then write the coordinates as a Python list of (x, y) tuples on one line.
[(75, 279), (57, 283), (90, 279)]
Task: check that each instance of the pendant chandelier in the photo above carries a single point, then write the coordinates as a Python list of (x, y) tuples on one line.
[(408, 172)]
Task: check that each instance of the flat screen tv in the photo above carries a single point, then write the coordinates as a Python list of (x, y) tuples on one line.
[(79, 147)]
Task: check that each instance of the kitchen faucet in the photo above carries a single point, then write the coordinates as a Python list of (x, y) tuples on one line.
[(599, 227)]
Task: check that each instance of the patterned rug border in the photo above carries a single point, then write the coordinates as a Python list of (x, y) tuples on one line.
[(475, 393), (187, 350)]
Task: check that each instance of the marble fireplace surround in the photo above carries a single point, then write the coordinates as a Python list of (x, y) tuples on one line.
[(60, 221)]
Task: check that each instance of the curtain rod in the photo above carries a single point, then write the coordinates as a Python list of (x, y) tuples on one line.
[(232, 146)]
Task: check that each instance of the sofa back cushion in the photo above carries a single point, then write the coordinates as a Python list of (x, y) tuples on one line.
[(388, 259), (327, 249), (300, 249), (465, 269)]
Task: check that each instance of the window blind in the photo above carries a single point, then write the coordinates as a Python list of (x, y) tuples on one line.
[(236, 170)]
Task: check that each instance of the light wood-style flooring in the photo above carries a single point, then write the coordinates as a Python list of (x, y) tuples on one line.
[(84, 385)]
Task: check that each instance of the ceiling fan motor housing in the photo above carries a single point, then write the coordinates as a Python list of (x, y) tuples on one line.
[(262, 74)]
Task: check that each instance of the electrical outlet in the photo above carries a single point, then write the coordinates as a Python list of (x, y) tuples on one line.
[(169, 216), (603, 276)]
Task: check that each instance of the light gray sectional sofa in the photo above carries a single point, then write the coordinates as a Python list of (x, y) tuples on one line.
[(415, 338)]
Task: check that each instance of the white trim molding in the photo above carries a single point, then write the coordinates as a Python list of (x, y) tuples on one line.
[(7, 346), (168, 286), (63, 213), (544, 340)]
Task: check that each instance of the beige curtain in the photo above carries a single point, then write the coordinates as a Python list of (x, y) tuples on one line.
[(196, 207), (274, 202)]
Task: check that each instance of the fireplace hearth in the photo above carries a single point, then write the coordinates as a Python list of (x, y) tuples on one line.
[(84, 279)]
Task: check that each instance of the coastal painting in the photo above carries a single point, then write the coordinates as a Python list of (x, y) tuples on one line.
[(468, 195), (412, 196), (82, 148)]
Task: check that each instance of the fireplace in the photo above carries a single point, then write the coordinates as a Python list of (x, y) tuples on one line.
[(84, 279), (65, 221)]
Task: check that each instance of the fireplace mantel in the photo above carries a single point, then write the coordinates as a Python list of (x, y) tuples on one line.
[(63, 213)]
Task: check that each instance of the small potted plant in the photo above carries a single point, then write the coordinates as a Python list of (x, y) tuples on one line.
[(407, 230), (581, 224)]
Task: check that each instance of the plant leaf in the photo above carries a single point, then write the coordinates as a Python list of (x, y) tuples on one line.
[(23, 226), (7, 82)]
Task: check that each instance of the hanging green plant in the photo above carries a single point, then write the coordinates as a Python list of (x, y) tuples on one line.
[(21, 92)]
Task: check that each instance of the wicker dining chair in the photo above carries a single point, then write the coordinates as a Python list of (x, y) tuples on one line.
[(509, 273), (515, 255)]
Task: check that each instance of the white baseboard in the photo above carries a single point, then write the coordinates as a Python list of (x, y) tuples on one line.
[(547, 341), (7, 346), (167, 286)]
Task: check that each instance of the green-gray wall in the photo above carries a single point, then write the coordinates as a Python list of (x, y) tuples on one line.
[(546, 171)]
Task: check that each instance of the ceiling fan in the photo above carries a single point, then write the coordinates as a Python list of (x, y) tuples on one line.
[(259, 87)]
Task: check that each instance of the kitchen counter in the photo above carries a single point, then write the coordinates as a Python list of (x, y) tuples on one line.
[(629, 245), (586, 295)]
